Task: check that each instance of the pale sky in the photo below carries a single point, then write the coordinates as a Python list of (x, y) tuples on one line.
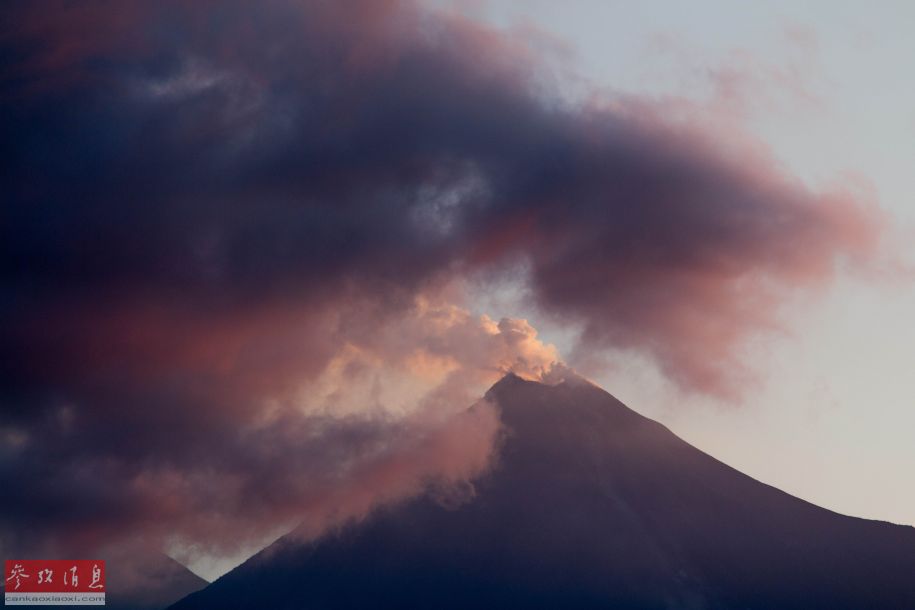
[(826, 85), (224, 334)]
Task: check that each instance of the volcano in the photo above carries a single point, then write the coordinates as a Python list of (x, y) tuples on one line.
[(588, 505)]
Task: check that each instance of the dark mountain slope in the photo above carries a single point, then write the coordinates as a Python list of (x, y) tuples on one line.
[(136, 577), (146, 580), (590, 506)]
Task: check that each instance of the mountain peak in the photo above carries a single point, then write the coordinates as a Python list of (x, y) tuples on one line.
[(566, 402), (588, 505), (557, 374)]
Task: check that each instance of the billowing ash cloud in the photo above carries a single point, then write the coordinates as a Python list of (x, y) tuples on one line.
[(233, 437), (233, 233)]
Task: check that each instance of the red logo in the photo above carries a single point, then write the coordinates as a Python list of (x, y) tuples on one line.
[(54, 581)]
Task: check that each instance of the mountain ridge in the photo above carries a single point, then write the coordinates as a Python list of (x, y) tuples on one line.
[(576, 380), (589, 504)]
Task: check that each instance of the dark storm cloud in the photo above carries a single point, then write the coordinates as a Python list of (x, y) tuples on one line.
[(204, 202)]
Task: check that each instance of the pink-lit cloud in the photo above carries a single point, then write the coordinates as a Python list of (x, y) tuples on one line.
[(234, 231)]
